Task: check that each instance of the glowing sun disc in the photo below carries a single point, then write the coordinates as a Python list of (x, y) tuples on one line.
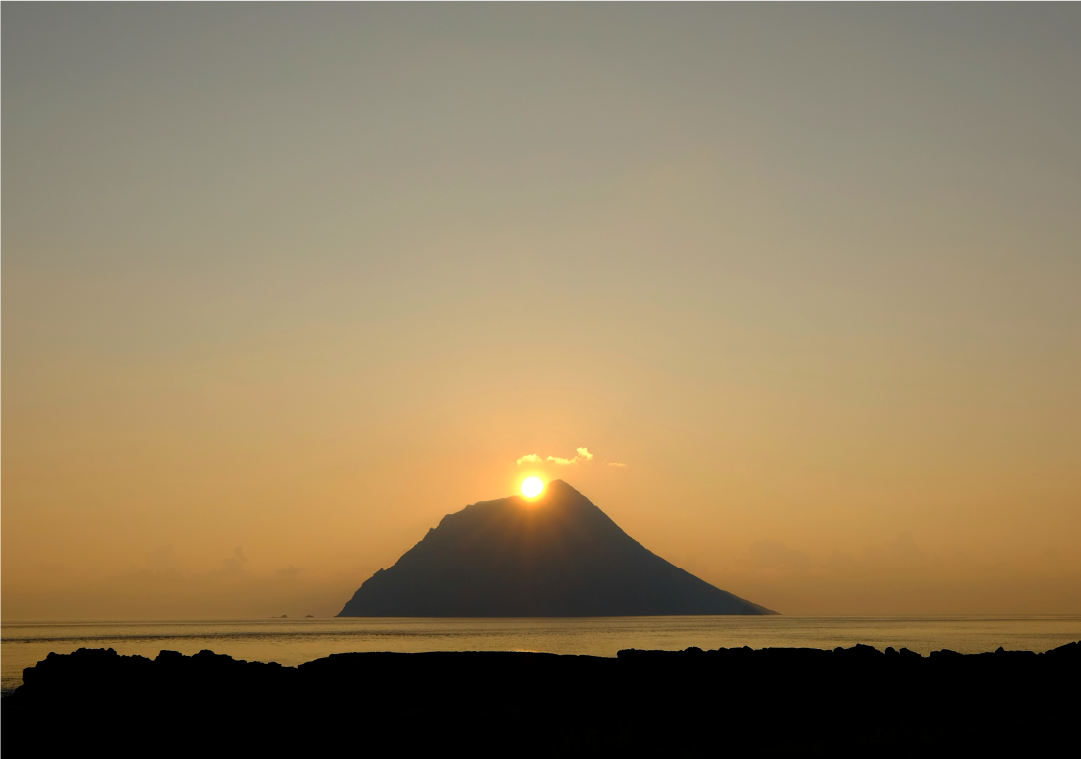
[(532, 487)]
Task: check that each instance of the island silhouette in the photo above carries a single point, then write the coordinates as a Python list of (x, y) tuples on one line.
[(556, 555)]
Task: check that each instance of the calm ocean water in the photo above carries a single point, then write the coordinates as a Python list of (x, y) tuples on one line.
[(294, 641)]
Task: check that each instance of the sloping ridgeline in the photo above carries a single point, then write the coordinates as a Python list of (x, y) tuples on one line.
[(554, 556)]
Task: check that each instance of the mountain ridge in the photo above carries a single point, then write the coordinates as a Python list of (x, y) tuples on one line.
[(557, 555)]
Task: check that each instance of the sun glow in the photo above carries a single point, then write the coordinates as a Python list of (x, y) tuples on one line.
[(532, 487)]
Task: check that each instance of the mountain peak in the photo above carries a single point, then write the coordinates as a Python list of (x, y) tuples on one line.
[(554, 555)]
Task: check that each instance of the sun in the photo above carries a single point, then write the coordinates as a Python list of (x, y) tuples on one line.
[(532, 487)]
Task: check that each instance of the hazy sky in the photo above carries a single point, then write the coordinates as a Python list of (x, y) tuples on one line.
[(285, 284)]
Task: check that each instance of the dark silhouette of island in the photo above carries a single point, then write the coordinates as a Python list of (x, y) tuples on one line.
[(854, 702), (557, 555)]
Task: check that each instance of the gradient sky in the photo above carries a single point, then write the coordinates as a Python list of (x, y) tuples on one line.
[(283, 285)]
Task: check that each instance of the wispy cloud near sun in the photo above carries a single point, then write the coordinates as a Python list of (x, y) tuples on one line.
[(563, 462), (583, 456)]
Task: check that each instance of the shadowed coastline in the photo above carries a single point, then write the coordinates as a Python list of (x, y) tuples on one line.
[(733, 702), (554, 556)]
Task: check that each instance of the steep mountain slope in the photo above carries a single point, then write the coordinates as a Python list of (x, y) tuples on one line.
[(554, 556)]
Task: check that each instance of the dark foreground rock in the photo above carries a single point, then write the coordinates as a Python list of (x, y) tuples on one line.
[(729, 702)]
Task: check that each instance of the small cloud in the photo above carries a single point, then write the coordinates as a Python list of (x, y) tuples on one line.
[(901, 554), (162, 559), (897, 554), (582, 456), (841, 561), (235, 565), (769, 554), (289, 573), (563, 462)]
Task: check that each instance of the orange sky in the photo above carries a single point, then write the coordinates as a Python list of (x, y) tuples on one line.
[(283, 285)]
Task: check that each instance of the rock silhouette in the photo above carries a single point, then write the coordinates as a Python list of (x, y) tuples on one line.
[(557, 555), (728, 702)]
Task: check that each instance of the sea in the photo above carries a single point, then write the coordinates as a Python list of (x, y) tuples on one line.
[(294, 641)]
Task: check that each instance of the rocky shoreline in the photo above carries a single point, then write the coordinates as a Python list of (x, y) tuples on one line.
[(730, 702)]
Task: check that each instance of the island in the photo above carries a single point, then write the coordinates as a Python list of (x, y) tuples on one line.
[(556, 555)]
